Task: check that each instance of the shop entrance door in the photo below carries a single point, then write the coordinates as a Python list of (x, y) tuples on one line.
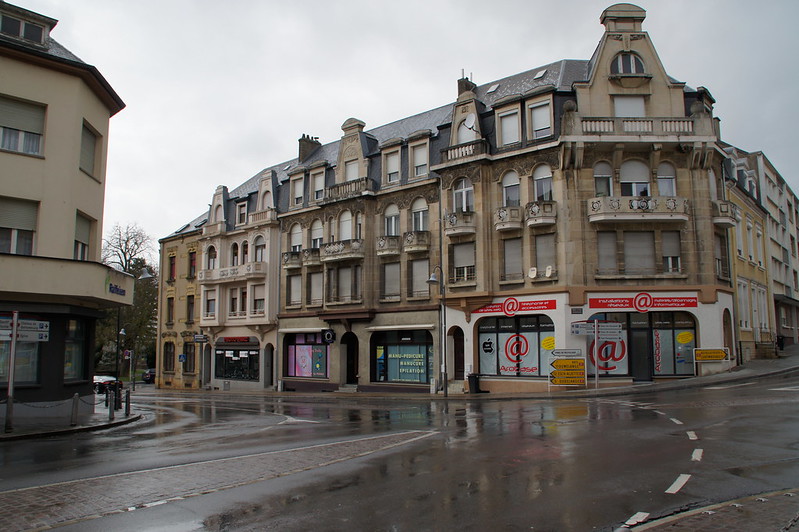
[(350, 343), (640, 347)]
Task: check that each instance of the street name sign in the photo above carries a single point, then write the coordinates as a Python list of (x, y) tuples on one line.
[(26, 336), (26, 325), (200, 338)]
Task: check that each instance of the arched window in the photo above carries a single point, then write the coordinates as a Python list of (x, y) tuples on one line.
[(463, 195), (169, 356), (211, 258), (359, 226), (627, 63), (634, 178), (542, 180), (317, 234), (466, 133), (218, 216), (603, 179), (245, 252), (234, 254), (391, 217), (295, 238), (345, 226), (510, 190), (419, 213), (260, 249), (266, 200), (667, 180)]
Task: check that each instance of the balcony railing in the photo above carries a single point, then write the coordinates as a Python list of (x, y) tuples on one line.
[(249, 270), (724, 213), (508, 218), (310, 257), (349, 189), (342, 250), (292, 260), (637, 208), (262, 217), (464, 151), (416, 241), (388, 245), (460, 223), (541, 213), (637, 126)]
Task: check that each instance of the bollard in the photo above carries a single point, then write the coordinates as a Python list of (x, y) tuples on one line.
[(74, 419), (118, 395), (110, 402), (127, 403)]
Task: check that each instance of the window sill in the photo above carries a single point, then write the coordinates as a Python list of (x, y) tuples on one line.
[(419, 298), (508, 282), (390, 299)]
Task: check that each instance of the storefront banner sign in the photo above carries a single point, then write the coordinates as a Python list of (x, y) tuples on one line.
[(512, 306), (642, 302)]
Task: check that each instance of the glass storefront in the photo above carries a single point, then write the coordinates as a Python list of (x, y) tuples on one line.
[(402, 356), (306, 355), (516, 346), (237, 361)]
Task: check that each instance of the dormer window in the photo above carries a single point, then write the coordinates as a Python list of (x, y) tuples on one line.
[(21, 29), (419, 160), (351, 170), (627, 63), (393, 167), (241, 213)]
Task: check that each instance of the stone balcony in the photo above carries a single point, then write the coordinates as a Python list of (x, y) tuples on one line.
[(724, 213), (538, 213), (460, 223), (463, 152), (387, 246), (349, 189), (638, 209), (637, 126), (310, 257), (508, 218), (267, 216), (291, 260), (249, 270), (416, 242), (342, 250)]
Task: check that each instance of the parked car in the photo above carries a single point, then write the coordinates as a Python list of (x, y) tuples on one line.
[(148, 376), (103, 383)]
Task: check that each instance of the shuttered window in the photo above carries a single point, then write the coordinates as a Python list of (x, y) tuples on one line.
[(545, 253), (639, 253), (606, 251), (88, 146), (391, 280), (513, 259), (420, 272)]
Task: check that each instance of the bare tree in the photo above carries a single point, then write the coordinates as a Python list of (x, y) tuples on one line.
[(123, 245)]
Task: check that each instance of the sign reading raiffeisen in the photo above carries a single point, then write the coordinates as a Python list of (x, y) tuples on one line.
[(708, 355)]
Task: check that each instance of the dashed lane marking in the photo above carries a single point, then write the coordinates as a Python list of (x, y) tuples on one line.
[(678, 484), (676, 421), (696, 456), (729, 386), (692, 435)]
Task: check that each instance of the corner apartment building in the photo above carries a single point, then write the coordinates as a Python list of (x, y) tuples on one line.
[(54, 116), (577, 191)]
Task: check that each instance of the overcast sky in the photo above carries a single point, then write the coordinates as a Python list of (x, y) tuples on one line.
[(218, 90)]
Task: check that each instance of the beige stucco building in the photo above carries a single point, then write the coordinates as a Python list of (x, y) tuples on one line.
[(54, 116)]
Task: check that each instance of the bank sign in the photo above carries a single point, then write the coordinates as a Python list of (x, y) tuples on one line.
[(512, 306)]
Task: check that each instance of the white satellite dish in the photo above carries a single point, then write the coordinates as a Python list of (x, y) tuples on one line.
[(548, 272), (532, 273), (469, 121)]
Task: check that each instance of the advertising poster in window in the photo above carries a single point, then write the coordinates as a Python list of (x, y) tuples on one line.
[(407, 364), (319, 368), (488, 353)]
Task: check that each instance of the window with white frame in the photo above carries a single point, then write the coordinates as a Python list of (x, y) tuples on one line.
[(750, 241), (315, 287), (540, 120), (83, 229), (420, 273), (545, 254), (391, 281), (744, 314), (297, 186), (234, 254), (21, 126), (759, 244), (419, 214), (238, 302), (511, 195), (209, 306), (392, 166), (466, 133), (639, 253), (317, 234), (463, 196), (241, 213), (392, 218), (88, 150), (603, 179), (294, 285), (318, 180), (260, 249), (667, 180), (720, 256), (345, 226), (508, 128), (627, 63), (19, 28), (607, 260), (634, 178), (295, 238), (629, 106), (419, 159), (739, 238), (512, 263), (671, 251), (762, 308), (210, 258), (351, 170), (542, 182), (259, 299), (463, 262), (245, 252)]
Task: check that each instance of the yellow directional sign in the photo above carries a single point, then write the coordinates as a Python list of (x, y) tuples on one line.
[(568, 382), (709, 354), (568, 363), (568, 373)]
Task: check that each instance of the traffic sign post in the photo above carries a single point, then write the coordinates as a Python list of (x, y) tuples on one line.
[(721, 354), (568, 368)]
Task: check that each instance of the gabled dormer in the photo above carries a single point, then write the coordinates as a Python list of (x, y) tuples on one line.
[(218, 214), (25, 26), (352, 165)]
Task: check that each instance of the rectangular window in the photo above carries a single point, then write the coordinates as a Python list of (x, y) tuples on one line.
[(258, 300), (606, 253), (392, 167), (671, 251), (307, 356), (75, 350), (18, 219), (345, 286), (419, 156), (88, 150), (391, 281), (629, 106), (540, 120), (318, 186), (512, 264), (420, 273), (21, 126), (420, 219), (20, 28), (189, 309), (188, 350), (83, 229), (315, 285), (192, 264), (509, 128), (241, 213), (294, 290), (239, 364), (170, 310), (351, 170), (545, 260), (464, 262), (172, 268), (639, 253), (210, 305), (169, 356), (296, 191)]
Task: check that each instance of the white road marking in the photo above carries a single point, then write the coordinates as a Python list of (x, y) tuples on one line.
[(676, 421), (729, 386), (692, 435), (658, 412), (640, 517), (696, 456), (678, 484), (789, 389)]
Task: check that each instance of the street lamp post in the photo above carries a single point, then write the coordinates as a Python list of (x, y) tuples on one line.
[(442, 322)]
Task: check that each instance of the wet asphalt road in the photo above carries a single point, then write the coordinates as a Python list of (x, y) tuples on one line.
[(364, 463)]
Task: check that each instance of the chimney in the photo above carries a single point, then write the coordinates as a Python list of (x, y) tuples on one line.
[(465, 84), (308, 145)]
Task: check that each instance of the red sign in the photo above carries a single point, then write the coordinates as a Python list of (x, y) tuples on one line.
[(235, 339), (512, 306), (642, 302)]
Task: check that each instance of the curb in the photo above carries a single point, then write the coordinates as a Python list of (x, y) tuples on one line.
[(69, 430)]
